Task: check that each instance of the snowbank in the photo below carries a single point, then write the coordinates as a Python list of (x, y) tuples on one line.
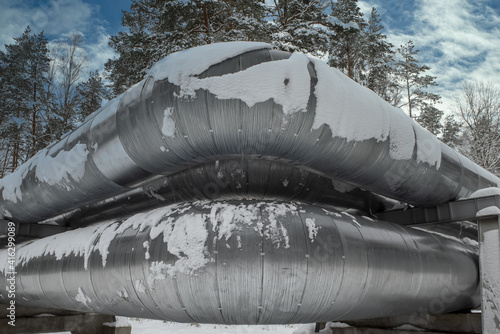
[(489, 211), (492, 191), (329, 328), (144, 326), (120, 322)]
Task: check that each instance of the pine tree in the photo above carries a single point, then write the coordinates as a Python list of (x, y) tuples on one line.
[(5, 143), (301, 25), (451, 132), (24, 66), (91, 94), (158, 28), (347, 51), (430, 118), (379, 60), (413, 82)]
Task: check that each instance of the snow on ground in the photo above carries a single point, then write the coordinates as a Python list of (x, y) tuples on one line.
[(147, 326), (144, 326)]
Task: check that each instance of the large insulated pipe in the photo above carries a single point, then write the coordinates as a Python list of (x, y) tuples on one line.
[(246, 262), (229, 179), (298, 130), (240, 100)]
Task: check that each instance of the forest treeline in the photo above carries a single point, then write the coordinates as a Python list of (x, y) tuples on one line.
[(46, 91)]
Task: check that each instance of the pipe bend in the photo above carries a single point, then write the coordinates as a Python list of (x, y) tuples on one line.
[(253, 103)]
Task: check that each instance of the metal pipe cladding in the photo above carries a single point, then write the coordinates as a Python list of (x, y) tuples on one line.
[(216, 189), (248, 262)]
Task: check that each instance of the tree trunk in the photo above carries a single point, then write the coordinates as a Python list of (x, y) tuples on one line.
[(4, 165), (349, 65), (207, 23), (408, 92), (33, 129), (15, 152)]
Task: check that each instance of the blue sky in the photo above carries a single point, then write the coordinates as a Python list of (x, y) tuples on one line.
[(458, 39), (95, 19)]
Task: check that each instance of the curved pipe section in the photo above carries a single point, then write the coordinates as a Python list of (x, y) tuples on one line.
[(253, 125), (244, 101), (247, 262), (229, 179)]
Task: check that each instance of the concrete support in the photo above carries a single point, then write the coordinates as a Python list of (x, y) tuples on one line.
[(367, 330), (437, 323), (41, 320), (319, 326), (489, 244), (486, 211), (353, 330)]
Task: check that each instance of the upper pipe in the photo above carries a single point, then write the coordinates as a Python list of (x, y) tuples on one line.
[(246, 100)]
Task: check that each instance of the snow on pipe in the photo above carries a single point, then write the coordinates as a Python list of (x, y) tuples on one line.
[(230, 179), (247, 262), (197, 111), (240, 100)]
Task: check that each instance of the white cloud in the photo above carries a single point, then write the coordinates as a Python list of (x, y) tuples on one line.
[(60, 16), (54, 17), (59, 19), (366, 8), (99, 51), (459, 39)]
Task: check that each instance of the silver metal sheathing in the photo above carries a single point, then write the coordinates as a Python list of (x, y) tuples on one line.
[(257, 234), (249, 262)]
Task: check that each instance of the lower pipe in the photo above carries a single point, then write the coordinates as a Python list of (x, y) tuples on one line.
[(246, 262)]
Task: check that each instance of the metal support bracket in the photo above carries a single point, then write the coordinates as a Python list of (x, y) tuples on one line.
[(488, 223), (32, 230), (460, 210)]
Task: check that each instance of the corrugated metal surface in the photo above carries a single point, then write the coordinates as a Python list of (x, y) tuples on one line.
[(225, 149), (127, 148), (271, 268)]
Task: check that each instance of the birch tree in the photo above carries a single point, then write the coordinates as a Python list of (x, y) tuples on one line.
[(479, 108), (69, 65)]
